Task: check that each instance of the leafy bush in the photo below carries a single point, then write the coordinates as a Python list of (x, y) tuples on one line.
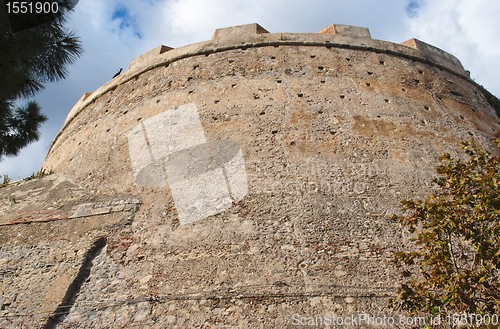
[(5, 181), (455, 265)]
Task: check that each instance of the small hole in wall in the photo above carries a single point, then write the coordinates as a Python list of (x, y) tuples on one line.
[(278, 81), (157, 101), (313, 56), (300, 95), (426, 107), (125, 112), (196, 66), (403, 89), (273, 57), (416, 81), (420, 71), (369, 73), (321, 68), (262, 113), (320, 111), (166, 65), (381, 62), (107, 130), (216, 101), (189, 78), (293, 143), (206, 55), (233, 85), (191, 92), (473, 109), (386, 100), (230, 60), (368, 84), (322, 81), (342, 96), (139, 119), (462, 117), (106, 111), (274, 131), (347, 59), (378, 116)]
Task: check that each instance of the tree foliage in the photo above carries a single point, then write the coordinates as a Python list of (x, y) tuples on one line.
[(455, 265), (29, 59)]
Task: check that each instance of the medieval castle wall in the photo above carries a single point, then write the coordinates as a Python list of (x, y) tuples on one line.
[(238, 181)]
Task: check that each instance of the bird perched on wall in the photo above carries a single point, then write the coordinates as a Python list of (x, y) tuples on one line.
[(118, 73)]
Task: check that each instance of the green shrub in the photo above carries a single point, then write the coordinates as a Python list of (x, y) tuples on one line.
[(455, 265)]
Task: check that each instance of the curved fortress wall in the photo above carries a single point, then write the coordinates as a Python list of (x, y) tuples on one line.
[(267, 166), (356, 75)]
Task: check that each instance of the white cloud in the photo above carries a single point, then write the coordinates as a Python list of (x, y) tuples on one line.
[(178, 23), (466, 29)]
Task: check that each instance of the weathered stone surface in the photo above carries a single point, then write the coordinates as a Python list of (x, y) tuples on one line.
[(334, 129), (43, 250)]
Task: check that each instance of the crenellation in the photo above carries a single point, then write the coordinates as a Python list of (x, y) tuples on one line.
[(148, 57), (436, 55), (238, 34), (347, 30)]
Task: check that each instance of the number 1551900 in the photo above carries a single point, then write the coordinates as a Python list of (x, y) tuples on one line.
[(39, 7)]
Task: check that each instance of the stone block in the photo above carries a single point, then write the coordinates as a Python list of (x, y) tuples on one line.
[(347, 31), (436, 55), (240, 33)]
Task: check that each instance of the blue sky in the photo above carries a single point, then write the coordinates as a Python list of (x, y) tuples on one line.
[(413, 6), (113, 32), (126, 20)]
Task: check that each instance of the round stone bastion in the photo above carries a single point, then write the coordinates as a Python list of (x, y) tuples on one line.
[(265, 168)]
